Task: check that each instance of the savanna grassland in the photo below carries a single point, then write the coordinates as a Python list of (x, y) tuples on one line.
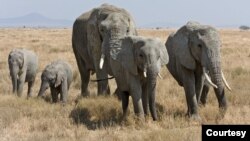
[(99, 118)]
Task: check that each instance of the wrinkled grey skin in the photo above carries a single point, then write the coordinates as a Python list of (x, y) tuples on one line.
[(58, 76), (23, 66), (192, 48), (138, 55), (94, 32)]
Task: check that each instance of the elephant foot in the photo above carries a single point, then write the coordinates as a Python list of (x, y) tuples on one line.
[(222, 112), (201, 104), (85, 94), (118, 94), (106, 92), (195, 117), (63, 103), (29, 95), (139, 119)]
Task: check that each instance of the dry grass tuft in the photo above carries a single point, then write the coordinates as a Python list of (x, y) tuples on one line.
[(97, 112)]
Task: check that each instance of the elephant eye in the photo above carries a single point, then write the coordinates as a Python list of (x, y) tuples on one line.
[(140, 55), (199, 45)]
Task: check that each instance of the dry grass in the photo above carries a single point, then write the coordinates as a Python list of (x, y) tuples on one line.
[(99, 118)]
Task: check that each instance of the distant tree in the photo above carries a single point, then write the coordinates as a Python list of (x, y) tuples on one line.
[(244, 27), (158, 28)]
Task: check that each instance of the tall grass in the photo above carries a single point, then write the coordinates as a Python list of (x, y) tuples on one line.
[(100, 118)]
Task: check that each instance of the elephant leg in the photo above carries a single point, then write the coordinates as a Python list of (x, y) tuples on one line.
[(84, 73), (199, 83), (54, 94), (64, 91), (189, 87), (125, 102), (30, 87), (137, 102), (145, 99), (118, 93), (204, 94), (20, 84), (103, 86), (136, 93)]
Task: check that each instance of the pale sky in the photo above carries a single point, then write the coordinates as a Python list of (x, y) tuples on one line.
[(145, 12)]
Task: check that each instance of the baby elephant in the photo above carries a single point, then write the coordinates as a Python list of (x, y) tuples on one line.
[(23, 66), (57, 76)]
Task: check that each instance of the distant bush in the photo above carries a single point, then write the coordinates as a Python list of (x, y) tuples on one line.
[(244, 27)]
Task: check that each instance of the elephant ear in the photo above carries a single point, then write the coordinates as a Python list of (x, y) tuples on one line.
[(183, 52), (132, 26), (93, 37), (126, 55), (163, 53), (60, 77), (21, 59)]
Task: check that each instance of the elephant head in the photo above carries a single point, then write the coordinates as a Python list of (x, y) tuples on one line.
[(200, 46), (16, 62), (144, 57), (108, 26), (51, 77)]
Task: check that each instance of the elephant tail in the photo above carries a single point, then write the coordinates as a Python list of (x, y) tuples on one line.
[(98, 80)]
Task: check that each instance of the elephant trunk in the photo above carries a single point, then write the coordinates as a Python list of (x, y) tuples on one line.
[(14, 81), (43, 88), (111, 45), (151, 85), (217, 78)]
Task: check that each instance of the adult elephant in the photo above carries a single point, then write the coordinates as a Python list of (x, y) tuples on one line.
[(194, 54), (94, 32), (136, 67)]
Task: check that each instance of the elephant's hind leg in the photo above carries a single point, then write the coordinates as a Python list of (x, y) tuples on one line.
[(85, 75)]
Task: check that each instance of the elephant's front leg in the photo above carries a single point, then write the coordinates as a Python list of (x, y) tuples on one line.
[(103, 86), (189, 87), (54, 94), (199, 82), (125, 102), (204, 94), (101, 73), (30, 87), (136, 93), (20, 84), (145, 99), (64, 91)]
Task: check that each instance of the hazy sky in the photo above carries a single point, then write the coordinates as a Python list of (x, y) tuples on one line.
[(145, 12)]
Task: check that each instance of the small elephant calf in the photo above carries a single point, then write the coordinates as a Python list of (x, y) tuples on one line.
[(58, 76), (23, 66)]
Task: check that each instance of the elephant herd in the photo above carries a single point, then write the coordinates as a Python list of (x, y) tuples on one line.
[(105, 42)]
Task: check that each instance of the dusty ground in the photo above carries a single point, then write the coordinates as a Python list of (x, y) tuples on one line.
[(99, 118)]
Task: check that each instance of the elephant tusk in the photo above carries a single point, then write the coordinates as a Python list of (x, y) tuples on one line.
[(159, 75), (17, 76), (208, 79), (102, 61), (145, 74), (225, 82)]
